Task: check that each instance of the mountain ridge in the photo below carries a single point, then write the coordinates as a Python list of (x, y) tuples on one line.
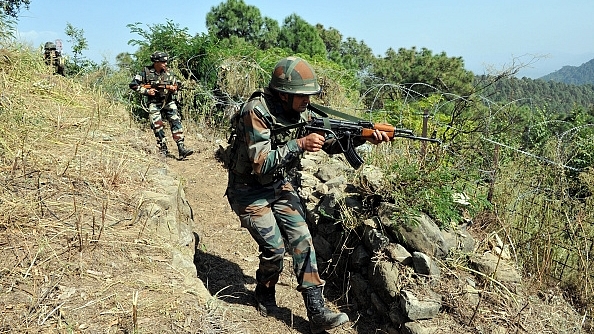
[(575, 75)]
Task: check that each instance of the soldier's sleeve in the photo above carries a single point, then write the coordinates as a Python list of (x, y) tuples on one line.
[(331, 145), (264, 159), (334, 145), (136, 84)]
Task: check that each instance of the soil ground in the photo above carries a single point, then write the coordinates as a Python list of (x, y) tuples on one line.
[(81, 262), (228, 259)]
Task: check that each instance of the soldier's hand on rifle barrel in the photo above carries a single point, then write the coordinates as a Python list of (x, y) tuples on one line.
[(313, 142), (378, 137), (151, 91)]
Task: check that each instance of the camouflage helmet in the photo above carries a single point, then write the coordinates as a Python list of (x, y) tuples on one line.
[(159, 56), (294, 75), (50, 46)]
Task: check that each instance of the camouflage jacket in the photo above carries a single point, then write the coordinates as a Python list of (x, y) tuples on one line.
[(150, 77), (52, 57), (266, 149)]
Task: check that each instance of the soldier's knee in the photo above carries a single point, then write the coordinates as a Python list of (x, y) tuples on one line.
[(275, 255)]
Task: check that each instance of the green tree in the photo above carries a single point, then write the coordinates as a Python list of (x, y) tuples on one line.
[(7, 27), (332, 39), (424, 72), (355, 55), (268, 37), (301, 37), (12, 7), (79, 44), (192, 55), (124, 61), (9, 10), (235, 18), (77, 38), (168, 37)]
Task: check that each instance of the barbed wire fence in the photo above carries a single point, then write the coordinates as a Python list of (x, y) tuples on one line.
[(549, 228)]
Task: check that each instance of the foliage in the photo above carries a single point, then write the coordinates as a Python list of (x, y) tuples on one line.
[(427, 72), (7, 28), (12, 7), (433, 189), (354, 55), (332, 39), (551, 229), (190, 54), (269, 34), (79, 64), (294, 31), (235, 18), (124, 61), (556, 96)]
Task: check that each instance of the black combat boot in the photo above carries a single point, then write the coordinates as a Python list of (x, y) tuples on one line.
[(183, 151), (266, 299), (163, 148), (320, 317)]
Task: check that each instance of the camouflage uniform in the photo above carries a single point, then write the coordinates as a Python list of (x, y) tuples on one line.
[(265, 200), (162, 104), (53, 58), (260, 192)]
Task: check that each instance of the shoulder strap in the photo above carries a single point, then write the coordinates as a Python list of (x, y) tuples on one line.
[(262, 112), (324, 111), (256, 94), (147, 73)]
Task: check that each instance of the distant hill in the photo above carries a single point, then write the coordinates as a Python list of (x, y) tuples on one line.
[(555, 95), (580, 75)]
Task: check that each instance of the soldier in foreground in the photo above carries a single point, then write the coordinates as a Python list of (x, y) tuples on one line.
[(160, 88), (269, 142)]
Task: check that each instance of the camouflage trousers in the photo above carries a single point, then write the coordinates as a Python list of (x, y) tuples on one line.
[(270, 214), (169, 112)]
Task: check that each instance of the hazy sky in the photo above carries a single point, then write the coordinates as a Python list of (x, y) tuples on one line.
[(488, 35)]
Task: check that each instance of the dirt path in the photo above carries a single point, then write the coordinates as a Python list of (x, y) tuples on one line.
[(227, 258)]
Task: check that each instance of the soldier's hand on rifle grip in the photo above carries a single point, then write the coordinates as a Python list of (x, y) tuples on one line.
[(313, 142), (151, 91), (378, 137)]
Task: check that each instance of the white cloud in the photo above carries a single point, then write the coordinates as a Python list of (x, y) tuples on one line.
[(37, 37)]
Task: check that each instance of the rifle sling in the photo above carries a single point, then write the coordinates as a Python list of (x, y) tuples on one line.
[(274, 131), (325, 111)]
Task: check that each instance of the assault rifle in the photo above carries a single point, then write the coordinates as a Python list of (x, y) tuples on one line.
[(345, 131), (163, 89), (159, 86)]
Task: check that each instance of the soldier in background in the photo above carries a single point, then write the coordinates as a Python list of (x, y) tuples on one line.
[(160, 88), (53, 57)]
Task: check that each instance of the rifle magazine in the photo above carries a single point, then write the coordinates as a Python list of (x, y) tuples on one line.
[(353, 158)]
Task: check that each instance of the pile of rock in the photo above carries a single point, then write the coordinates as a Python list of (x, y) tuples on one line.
[(393, 270)]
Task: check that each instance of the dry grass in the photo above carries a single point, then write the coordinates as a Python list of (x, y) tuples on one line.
[(74, 258)]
